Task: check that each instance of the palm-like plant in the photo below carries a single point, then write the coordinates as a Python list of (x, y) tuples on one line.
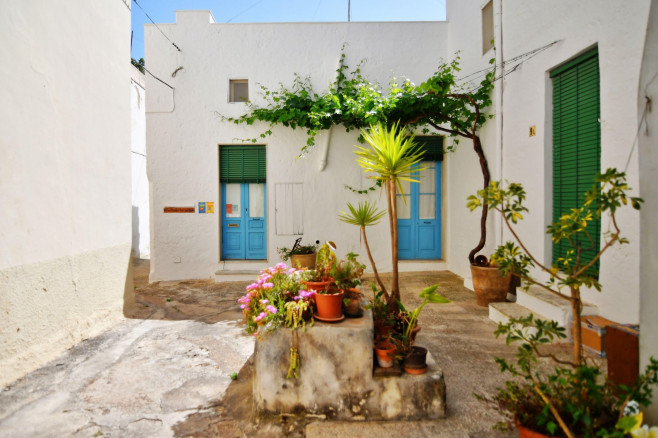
[(391, 157), (364, 215)]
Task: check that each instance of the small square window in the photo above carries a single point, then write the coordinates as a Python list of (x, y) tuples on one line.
[(487, 27), (239, 90)]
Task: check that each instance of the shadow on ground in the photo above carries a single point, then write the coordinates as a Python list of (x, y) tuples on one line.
[(196, 300), (459, 335)]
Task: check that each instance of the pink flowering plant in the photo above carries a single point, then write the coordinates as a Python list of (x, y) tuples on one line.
[(264, 304)]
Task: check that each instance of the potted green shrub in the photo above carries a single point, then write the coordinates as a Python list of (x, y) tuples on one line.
[(390, 157), (574, 400), (347, 277), (301, 256), (414, 356)]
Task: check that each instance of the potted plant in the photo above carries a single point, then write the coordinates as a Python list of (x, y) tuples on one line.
[(319, 279), (385, 353), (489, 283), (278, 298), (301, 256), (573, 399), (383, 319), (347, 277), (415, 357), (365, 214), (391, 157)]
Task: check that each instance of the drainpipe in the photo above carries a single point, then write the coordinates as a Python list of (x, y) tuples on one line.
[(325, 149), (501, 90)]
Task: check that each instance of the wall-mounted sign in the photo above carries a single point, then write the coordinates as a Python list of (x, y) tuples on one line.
[(179, 210), (202, 207), (210, 207)]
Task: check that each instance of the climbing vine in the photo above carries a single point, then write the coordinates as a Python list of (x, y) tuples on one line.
[(355, 103)]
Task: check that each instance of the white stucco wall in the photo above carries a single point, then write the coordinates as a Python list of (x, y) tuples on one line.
[(65, 180), (141, 243), (647, 141), (184, 131), (617, 29)]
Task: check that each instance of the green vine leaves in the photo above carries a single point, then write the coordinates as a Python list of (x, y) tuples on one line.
[(355, 102)]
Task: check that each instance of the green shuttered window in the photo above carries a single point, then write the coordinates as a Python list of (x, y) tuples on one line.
[(242, 164), (576, 143), (432, 146)]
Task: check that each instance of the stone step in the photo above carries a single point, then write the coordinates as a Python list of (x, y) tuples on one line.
[(236, 275), (542, 302), (503, 312)]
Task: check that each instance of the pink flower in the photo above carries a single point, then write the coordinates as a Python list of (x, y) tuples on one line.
[(271, 309), (306, 294), (265, 277), (282, 266), (292, 270), (260, 316), (263, 302), (252, 286), (268, 285)]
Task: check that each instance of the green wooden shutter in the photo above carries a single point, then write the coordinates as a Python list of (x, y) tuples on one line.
[(432, 147), (576, 143), (242, 164)]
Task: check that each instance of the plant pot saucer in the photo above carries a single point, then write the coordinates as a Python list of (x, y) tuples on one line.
[(320, 318), (422, 370)]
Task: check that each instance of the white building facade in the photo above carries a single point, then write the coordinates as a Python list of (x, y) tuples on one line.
[(141, 242), (541, 43), (65, 179)]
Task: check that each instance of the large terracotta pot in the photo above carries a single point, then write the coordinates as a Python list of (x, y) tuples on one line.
[(524, 432), (303, 261), (489, 285), (329, 306)]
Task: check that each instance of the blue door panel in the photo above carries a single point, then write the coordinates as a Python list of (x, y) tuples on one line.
[(243, 238), (421, 238), (405, 246)]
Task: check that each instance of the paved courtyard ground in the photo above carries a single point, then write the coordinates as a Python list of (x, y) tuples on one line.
[(165, 371)]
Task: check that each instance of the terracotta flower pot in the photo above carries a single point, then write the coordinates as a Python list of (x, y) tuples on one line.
[(489, 285), (318, 285), (303, 261), (382, 329), (329, 306), (385, 352), (524, 432), (353, 306)]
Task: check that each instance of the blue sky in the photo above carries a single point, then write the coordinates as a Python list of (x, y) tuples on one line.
[(251, 11)]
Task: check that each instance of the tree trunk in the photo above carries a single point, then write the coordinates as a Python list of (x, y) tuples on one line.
[(392, 222), (477, 146), (576, 309), (372, 263)]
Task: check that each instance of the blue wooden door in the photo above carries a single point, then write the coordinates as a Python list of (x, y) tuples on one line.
[(419, 215), (243, 222)]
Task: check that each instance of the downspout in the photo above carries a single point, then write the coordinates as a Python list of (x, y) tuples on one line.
[(501, 175), (325, 149)]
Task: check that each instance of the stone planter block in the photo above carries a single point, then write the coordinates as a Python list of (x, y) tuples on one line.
[(336, 377)]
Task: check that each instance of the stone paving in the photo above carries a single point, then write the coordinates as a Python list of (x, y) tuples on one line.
[(165, 371)]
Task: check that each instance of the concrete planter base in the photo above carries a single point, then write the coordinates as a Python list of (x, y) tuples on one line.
[(336, 377)]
